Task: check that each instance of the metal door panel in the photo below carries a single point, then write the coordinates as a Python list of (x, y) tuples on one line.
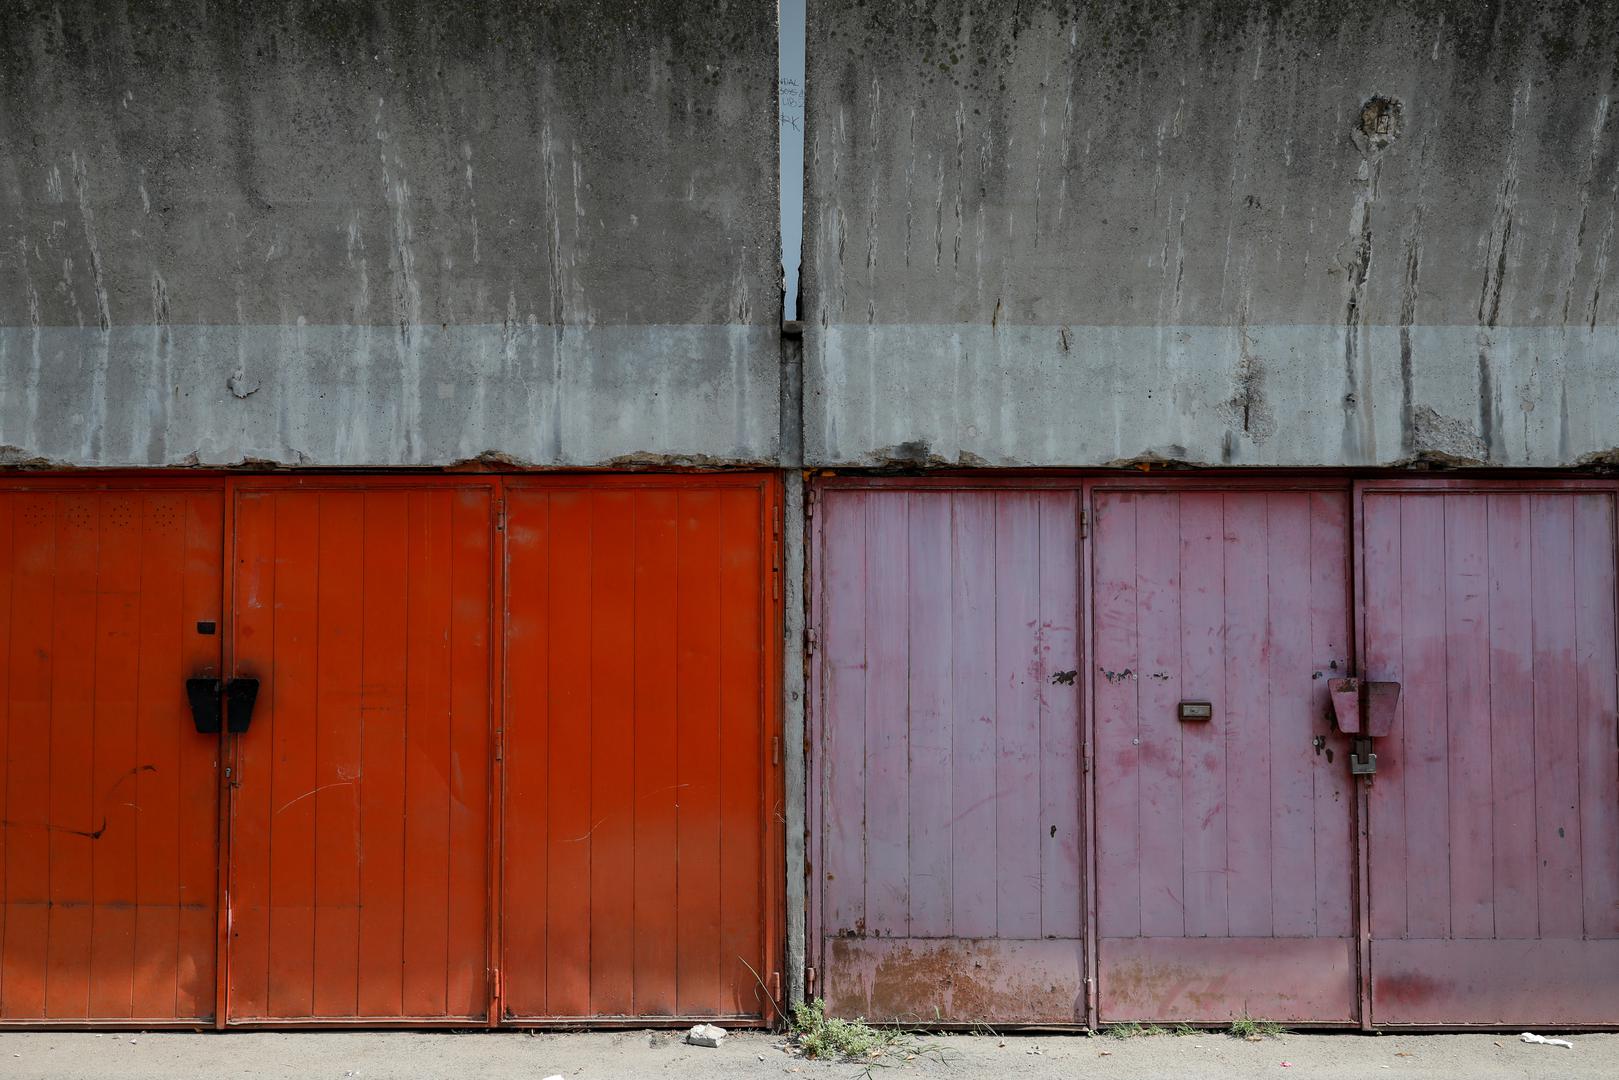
[(1224, 845), (359, 822), (640, 749), (1001, 980), (948, 750), (1450, 982), (1199, 978), (1494, 812), (110, 795)]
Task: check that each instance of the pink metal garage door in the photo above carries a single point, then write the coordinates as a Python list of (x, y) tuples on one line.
[(1224, 844), (949, 880), (1494, 811)]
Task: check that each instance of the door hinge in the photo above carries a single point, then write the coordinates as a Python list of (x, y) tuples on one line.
[(1084, 524), (500, 744), (811, 638), (809, 982), (775, 986), (500, 515), (494, 978), (1090, 995), (775, 750)]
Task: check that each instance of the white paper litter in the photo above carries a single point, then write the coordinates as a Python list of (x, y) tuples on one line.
[(1531, 1037)]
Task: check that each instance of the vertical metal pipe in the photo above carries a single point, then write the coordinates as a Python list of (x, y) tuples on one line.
[(794, 529), (790, 57), (792, 685)]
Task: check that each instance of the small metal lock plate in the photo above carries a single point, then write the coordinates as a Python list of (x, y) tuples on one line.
[(1362, 762)]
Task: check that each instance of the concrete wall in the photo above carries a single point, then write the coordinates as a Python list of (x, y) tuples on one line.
[(387, 232), (1215, 231)]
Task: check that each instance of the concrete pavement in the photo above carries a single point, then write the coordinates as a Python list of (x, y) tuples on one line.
[(624, 1055)]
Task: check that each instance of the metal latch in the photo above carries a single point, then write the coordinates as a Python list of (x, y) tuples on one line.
[(1362, 762), (239, 697), (1366, 710), (1363, 707), (203, 694), (206, 715)]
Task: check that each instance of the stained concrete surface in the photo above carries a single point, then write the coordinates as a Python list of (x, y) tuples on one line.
[(636, 1054), (387, 232), (1216, 231)]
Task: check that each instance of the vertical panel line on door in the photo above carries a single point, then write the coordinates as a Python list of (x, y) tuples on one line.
[(226, 750), (496, 839)]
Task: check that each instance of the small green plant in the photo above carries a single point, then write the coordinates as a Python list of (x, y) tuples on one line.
[(1246, 1027), (1183, 1029), (828, 1038), (822, 1036), (1136, 1030)]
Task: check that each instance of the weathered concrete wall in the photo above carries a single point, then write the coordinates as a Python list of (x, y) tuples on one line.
[(423, 231), (1073, 234)]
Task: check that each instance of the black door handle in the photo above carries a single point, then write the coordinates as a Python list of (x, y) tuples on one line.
[(205, 711), (239, 698)]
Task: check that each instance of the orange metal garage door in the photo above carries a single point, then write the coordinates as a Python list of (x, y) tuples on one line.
[(641, 800), (109, 601), (359, 848)]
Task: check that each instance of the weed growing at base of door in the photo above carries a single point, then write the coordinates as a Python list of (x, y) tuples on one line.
[(1246, 1027), (829, 1038)]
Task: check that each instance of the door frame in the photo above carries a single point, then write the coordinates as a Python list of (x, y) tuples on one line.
[(228, 485), (78, 481), (815, 698), (1406, 485), (1088, 484), (330, 482), (1292, 482), (1352, 484), (772, 764)]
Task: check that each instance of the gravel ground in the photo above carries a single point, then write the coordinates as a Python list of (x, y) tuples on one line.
[(632, 1055)]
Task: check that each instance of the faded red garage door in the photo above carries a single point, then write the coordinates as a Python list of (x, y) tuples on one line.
[(359, 825), (109, 602), (356, 630), (1224, 806), (947, 880), (1494, 811), (642, 805)]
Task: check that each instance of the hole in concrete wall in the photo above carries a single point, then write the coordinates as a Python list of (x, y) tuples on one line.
[(1381, 119)]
